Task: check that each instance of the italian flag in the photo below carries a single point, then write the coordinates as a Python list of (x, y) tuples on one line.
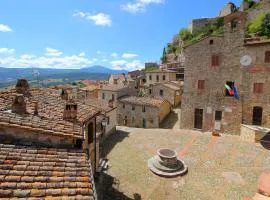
[(229, 89)]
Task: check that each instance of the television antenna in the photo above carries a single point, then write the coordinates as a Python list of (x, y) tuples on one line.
[(36, 74)]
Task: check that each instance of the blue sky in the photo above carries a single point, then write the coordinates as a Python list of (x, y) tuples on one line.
[(120, 34)]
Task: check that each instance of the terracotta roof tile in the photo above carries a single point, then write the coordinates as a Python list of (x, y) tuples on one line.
[(147, 101), (43, 178), (50, 113)]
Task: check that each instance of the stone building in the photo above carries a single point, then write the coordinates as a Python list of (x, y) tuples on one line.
[(171, 91), (160, 76), (111, 93), (142, 112), (106, 121), (121, 80), (229, 59), (44, 128)]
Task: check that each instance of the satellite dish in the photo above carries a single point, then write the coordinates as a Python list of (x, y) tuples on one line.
[(246, 60)]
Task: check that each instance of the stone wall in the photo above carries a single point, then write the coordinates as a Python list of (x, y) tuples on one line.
[(26, 137), (135, 117), (169, 76), (173, 96), (230, 49)]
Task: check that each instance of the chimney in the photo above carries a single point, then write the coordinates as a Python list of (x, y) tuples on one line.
[(22, 87), (70, 111), (110, 103), (35, 107), (18, 105), (64, 94)]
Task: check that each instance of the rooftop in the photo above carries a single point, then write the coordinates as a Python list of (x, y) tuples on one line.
[(113, 87), (161, 71), (95, 102), (146, 101), (50, 113), (29, 172)]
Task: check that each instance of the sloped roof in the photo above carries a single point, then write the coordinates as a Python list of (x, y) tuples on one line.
[(50, 113), (146, 101), (31, 172)]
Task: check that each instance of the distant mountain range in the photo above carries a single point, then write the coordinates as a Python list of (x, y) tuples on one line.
[(8, 76)]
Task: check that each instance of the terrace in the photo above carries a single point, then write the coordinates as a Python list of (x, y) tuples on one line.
[(218, 167)]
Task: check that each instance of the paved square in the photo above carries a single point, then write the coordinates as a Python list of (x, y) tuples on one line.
[(218, 167)]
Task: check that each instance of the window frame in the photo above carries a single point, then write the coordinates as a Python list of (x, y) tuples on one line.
[(258, 88), (218, 115), (201, 85)]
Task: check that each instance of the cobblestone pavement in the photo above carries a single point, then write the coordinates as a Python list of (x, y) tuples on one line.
[(218, 167), (172, 121)]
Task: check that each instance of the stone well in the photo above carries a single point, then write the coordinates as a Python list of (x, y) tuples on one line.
[(166, 164)]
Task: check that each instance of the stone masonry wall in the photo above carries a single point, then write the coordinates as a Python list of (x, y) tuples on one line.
[(135, 117)]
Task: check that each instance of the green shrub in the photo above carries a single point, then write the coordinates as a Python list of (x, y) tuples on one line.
[(185, 34), (255, 25), (265, 26)]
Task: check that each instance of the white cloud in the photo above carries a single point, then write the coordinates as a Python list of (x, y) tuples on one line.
[(7, 51), (115, 55), (5, 28), (53, 52), (139, 6), (100, 19), (82, 54), (129, 55), (60, 62), (123, 64), (104, 60)]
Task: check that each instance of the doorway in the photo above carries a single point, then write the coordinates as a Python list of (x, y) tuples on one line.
[(144, 123), (257, 116), (198, 118)]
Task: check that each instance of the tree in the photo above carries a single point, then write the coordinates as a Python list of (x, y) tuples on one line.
[(265, 31), (185, 34), (164, 56)]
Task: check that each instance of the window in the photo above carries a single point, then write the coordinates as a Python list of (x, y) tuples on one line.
[(267, 57), (124, 106), (150, 77), (233, 24), (218, 115), (133, 107), (113, 97), (143, 108), (258, 88), (230, 84), (161, 92), (157, 78), (164, 77), (211, 42), (115, 81), (201, 84), (257, 116), (215, 60), (108, 120), (150, 91), (103, 96), (133, 121), (125, 121)]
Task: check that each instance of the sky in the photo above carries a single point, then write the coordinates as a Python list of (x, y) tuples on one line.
[(118, 34)]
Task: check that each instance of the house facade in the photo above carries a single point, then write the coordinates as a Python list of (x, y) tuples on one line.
[(142, 112), (171, 91), (231, 60), (160, 76)]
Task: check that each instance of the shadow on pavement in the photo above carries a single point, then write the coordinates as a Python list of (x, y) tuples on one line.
[(170, 121), (265, 141), (113, 139), (110, 190)]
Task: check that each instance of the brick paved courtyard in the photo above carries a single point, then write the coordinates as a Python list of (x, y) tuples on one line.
[(219, 167)]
